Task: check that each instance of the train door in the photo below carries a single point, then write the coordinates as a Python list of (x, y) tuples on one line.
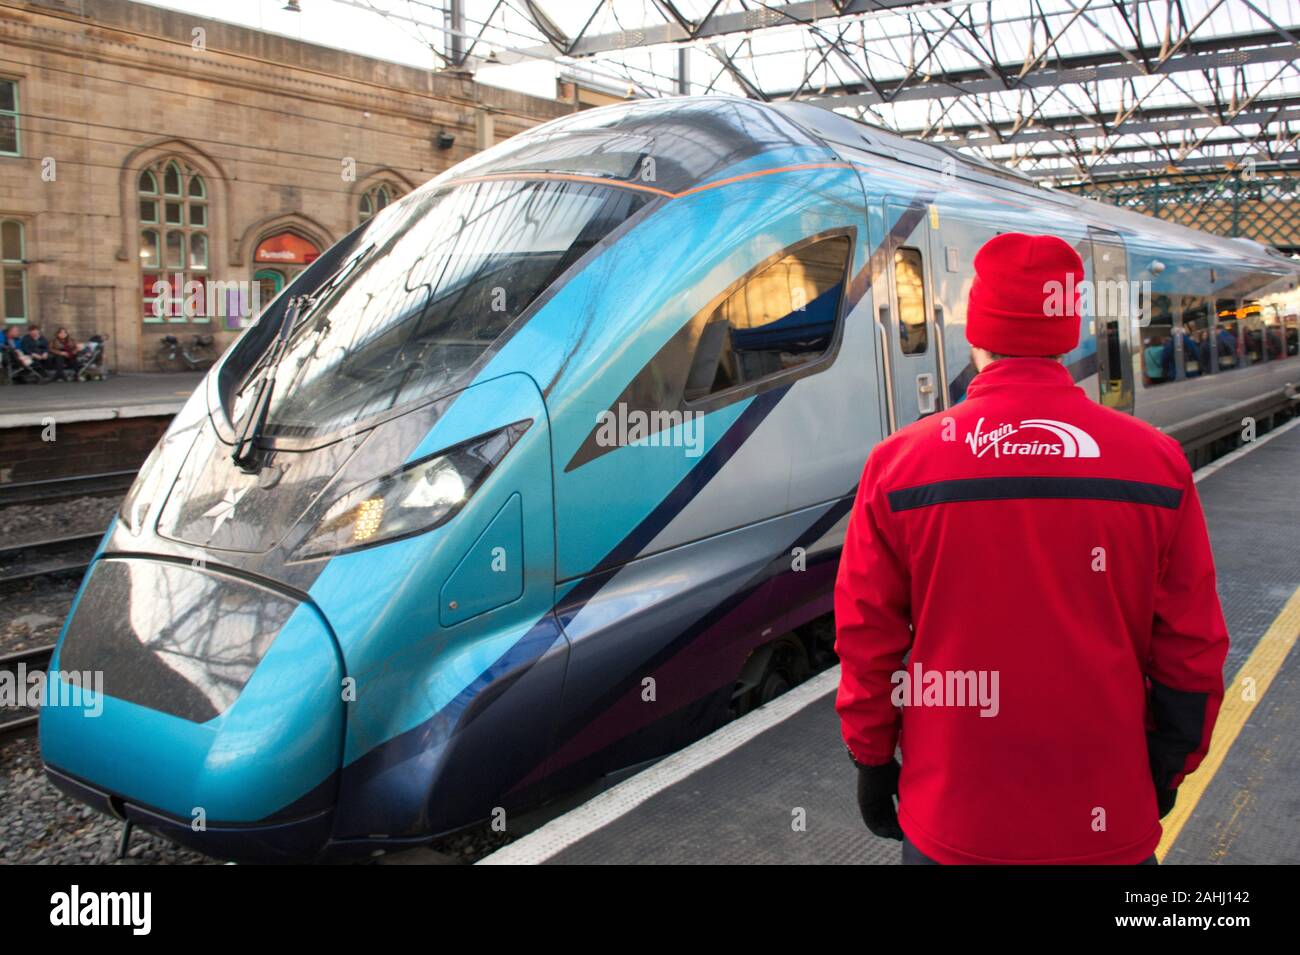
[(962, 230), (1111, 317), (907, 318)]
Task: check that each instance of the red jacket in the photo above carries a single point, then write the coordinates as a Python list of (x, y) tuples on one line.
[(1051, 552)]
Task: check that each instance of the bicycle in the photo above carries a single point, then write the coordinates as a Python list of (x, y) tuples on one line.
[(198, 355)]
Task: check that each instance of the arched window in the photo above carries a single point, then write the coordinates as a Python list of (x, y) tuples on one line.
[(375, 199), (13, 256), (174, 239)]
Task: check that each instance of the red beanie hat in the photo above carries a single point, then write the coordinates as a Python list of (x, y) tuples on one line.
[(1025, 298)]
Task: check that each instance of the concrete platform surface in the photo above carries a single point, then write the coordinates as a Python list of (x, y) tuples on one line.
[(775, 787), (121, 396)]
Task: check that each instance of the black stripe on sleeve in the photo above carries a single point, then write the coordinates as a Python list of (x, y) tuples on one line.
[(1028, 488)]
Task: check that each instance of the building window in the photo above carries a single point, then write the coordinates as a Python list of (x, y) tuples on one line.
[(8, 118), (174, 242), (13, 254), (374, 199)]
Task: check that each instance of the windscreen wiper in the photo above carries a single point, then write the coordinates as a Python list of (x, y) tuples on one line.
[(248, 457)]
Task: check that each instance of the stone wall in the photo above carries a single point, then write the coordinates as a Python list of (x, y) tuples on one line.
[(109, 87), (78, 448)]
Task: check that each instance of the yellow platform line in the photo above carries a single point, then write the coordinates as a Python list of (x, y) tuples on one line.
[(1260, 667)]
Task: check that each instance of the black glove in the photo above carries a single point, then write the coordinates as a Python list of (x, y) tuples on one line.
[(1162, 773), (1165, 799), (877, 787)]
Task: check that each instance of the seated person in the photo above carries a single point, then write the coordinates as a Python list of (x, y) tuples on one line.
[(63, 353), (14, 355), (35, 347)]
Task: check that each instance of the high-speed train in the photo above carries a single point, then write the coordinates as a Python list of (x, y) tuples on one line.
[(533, 476)]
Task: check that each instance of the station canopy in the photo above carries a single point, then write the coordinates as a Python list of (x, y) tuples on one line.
[(1065, 91)]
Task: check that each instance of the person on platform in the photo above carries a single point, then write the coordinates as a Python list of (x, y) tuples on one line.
[(1227, 345), (1043, 564), (35, 347), (17, 359), (1198, 345), (1153, 361), (63, 354)]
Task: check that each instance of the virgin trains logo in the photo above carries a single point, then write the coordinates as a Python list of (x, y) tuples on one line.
[(1009, 439)]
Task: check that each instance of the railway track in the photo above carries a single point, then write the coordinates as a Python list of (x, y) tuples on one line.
[(51, 558), (65, 488), (17, 722)]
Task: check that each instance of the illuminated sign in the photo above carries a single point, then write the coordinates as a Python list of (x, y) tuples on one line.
[(286, 248)]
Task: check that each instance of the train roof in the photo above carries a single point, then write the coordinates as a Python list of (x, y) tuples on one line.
[(670, 144), (837, 129), (694, 139)]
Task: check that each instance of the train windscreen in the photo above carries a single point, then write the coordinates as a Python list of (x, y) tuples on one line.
[(435, 280)]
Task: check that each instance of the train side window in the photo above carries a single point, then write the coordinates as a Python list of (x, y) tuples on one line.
[(909, 284), (1158, 362), (780, 321), (782, 316)]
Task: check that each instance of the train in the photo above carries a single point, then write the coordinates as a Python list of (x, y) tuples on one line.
[(543, 471)]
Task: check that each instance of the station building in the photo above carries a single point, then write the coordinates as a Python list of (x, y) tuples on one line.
[(137, 214)]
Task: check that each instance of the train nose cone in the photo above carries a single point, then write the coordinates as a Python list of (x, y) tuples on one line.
[(200, 704)]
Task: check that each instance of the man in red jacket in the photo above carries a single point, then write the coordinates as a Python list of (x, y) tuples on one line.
[(1045, 562)]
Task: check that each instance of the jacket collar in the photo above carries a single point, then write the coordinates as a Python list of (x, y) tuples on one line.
[(1020, 373)]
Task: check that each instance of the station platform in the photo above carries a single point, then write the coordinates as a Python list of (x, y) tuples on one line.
[(120, 396), (734, 796)]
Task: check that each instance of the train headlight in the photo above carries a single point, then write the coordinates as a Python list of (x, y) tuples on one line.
[(411, 500)]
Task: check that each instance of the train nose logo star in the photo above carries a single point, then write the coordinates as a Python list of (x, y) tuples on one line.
[(224, 509)]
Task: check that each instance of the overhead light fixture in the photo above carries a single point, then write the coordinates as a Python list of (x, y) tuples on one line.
[(292, 6)]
